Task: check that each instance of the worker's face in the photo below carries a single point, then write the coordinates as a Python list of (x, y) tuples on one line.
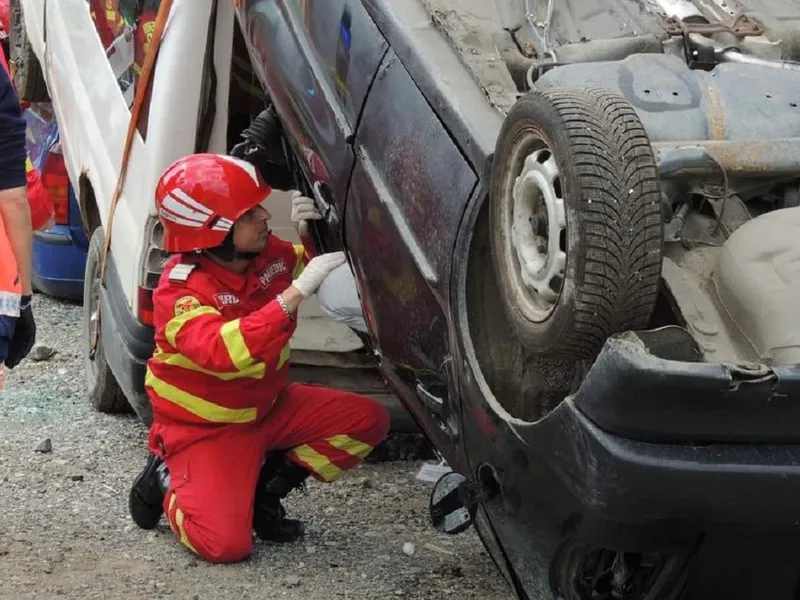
[(251, 230)]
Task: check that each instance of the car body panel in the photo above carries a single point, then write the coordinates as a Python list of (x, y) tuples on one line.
[(408, 193), (302, 54)]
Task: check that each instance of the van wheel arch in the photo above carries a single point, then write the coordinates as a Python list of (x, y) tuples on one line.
[(87, 203)]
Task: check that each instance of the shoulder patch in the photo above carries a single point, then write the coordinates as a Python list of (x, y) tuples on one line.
[(181, 271), (186, 304)]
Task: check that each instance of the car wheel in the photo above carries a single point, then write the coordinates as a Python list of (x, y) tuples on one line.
[(576, 221), (104, 391), (28, 78), (579, 571)]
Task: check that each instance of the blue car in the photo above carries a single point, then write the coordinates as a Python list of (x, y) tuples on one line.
[(59, 253)]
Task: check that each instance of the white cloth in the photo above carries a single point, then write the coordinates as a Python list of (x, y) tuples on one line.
[(338, 297)]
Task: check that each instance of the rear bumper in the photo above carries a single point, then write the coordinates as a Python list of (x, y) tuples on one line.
[(670, 439), (633, 393), (653, 455), (703, 487), (58, 263)]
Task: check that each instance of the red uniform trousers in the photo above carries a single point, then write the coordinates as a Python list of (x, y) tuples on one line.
[(214, 468)]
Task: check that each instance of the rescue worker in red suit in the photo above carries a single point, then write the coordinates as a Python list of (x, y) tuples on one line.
[(230, 437)]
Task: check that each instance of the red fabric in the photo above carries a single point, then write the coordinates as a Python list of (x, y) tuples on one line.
[(41, 203), (108, 21), (39, 200), (143, 36), (200, 196), (213, 471), (248, 297), (5, 15)]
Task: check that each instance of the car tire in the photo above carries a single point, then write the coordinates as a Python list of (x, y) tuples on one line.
[(576, 221), (104, 391), (28, 78)]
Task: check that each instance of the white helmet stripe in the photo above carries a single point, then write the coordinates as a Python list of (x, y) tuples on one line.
[(170, 216), (187, 199), (172, 204)]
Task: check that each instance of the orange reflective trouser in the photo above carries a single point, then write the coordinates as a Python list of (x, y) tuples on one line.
[(214, 468), (10, 292)]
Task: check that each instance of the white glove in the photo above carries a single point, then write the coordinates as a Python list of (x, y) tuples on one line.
[(303, 208), (315, 272)]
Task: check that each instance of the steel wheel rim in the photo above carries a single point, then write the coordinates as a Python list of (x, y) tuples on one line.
[(538, 232)]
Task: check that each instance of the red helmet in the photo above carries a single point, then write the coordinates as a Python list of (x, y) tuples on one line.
[(200, 196)]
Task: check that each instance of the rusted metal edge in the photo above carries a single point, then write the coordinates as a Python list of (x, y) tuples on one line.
[(739, 158)]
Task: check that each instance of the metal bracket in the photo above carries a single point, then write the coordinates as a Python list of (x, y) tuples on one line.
[(743, 26)]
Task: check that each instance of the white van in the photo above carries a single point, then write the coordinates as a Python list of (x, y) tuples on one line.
[(86, 54)]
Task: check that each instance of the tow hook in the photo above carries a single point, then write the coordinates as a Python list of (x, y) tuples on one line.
[(749, 373)]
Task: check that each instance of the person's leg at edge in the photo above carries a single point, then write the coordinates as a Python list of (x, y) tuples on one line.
[(311, 431), (206, 478)]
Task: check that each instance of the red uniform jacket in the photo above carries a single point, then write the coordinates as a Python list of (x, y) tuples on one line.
[(222, 340)]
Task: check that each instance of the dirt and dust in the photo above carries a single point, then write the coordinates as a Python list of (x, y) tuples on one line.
[(65, 472)]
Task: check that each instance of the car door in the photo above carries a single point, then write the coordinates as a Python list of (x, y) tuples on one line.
[(317, 59), (408, 192)]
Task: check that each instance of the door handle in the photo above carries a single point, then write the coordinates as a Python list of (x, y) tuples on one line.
[(434, 402), (319, 196), (327, 208)]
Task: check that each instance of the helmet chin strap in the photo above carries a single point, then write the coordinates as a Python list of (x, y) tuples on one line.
[(227, 251)]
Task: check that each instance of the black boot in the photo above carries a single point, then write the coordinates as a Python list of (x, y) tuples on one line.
[(278, 477), (146, 499)]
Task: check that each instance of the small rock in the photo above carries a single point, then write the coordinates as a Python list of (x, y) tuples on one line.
[(48, 568), (129, 528), (196, 597), (292, 581), (45, 446), (408, 549), (77, 478), (192, 563), (365, 482), (41, 352)]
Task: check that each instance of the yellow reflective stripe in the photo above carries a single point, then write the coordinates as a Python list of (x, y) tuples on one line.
[(198, 406), (172, 500), (284, 357), (350, 445), (174, 325), (318, 463), (254, 371), (237, 347), (184, 537), (299, 252)]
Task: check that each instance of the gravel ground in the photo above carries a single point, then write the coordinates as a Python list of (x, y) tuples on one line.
[(65, 530)]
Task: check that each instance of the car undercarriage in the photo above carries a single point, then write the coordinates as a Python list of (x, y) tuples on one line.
[(714, 86)]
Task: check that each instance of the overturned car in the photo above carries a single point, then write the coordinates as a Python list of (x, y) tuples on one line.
[(575, 227)]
